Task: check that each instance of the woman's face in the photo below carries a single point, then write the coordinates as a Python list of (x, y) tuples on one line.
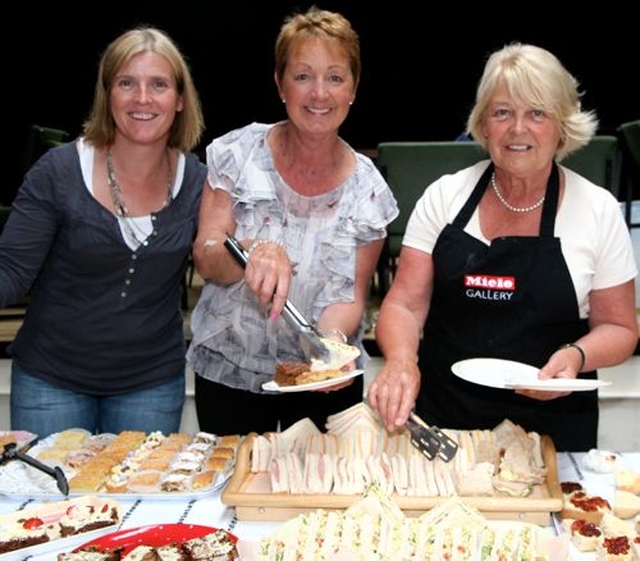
[(521, 139), (144, 99), (317, 86)]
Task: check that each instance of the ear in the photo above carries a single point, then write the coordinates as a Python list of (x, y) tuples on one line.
[(180, 104), (275, 79)]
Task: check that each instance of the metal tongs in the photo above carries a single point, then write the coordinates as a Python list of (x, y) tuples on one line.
[(311, 339), (12, 452), (430, 440)]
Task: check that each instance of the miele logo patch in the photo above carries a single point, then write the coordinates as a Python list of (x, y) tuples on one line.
[(489, 281), (490, 287)]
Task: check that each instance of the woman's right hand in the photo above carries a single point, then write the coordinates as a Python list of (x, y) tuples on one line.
[(393, 392), (268, 274)]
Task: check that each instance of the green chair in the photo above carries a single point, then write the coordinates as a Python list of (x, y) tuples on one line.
[(599, 162), (629, 135), (409, 168), (40, 140)]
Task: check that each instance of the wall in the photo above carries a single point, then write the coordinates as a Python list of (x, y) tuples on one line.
[(419, 72)]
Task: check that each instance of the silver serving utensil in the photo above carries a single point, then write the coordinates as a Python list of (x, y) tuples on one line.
[(12, 452), (427, 436), (310, 339)]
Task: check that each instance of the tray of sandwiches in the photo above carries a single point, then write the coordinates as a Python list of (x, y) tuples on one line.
[(126, 465), (506, 473)]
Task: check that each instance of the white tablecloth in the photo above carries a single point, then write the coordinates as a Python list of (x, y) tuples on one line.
[(209, 511)]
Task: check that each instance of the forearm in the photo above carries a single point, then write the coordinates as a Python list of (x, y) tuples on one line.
[(398, 333), (607, 345)]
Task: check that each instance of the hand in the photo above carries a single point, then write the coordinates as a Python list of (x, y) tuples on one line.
[(564, 363), (394, 391), (268, 274)]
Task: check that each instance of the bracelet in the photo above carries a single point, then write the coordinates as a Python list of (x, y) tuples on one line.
[(257, 243), (583, 356), (335, 333)]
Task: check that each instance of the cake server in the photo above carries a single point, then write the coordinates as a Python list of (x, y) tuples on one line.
[(12, 452), (311, 340)]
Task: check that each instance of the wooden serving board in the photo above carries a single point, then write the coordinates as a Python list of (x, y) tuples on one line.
[(251, 495)]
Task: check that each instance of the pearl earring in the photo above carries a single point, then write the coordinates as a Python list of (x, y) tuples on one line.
[(351, 103), (284, 100)]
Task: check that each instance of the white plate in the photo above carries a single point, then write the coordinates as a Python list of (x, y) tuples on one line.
[(509, 374), (55, 546), (273, 387)]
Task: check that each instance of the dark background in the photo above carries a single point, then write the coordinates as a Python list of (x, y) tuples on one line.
[(419, 70)]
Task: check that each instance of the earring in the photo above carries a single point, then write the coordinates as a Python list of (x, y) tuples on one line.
[(284, 100), (351, 103)]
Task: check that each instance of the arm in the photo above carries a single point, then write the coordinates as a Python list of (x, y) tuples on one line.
[(402, 316), (612, 338), (268, 271)]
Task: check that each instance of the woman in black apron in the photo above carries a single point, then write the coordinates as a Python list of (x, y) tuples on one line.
[(508, 291)]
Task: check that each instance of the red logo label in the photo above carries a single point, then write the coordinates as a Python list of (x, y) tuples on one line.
[(490, 281)]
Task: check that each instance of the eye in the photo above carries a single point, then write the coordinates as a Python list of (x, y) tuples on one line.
[(301, 77), (335, 78), (538, 114), (161, 85), (125, 83), (501, 113)]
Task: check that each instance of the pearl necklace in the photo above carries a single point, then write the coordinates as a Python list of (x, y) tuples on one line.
[(507, 205)]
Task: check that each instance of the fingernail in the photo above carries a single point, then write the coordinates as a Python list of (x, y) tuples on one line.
[(273, 316)]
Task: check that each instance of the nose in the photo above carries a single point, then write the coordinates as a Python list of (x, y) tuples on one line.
[(143, 94), (319, 89), (518, 123)]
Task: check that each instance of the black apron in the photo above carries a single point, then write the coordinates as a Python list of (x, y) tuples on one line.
[(515, 300)]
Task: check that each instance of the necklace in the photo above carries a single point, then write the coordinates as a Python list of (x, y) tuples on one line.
[(132, 226), (507, 205)]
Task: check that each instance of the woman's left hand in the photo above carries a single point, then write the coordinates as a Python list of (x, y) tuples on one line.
[(564, 363)]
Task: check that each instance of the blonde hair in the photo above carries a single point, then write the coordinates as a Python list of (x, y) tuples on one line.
[(535, 77), (187, 128), (318, 23)]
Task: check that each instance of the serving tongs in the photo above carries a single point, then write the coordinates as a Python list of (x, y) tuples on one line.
[(11, 452), (311, 340), (431, 441)]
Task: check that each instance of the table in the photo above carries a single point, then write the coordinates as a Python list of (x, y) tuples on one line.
[(209, 510)]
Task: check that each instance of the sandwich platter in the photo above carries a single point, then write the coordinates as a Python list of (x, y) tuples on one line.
[(252, 495), (509, 374)]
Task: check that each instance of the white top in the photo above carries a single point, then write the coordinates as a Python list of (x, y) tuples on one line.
[(595, 239)]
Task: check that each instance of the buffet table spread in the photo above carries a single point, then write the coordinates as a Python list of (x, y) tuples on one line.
[(208, 509)]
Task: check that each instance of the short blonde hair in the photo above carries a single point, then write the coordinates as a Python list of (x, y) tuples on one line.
[(536, 77), (318, 23), (188, 126)]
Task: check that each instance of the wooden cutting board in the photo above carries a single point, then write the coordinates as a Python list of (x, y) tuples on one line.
[(250, 494)]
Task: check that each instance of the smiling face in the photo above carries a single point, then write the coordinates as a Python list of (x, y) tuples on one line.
[(144, 99), (317, 85), (521, 138)]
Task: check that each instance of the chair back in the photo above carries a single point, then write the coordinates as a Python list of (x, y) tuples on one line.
[(409, 168), (40, 140), (599, 162), (629, 135)]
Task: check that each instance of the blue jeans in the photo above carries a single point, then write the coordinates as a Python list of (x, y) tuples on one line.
[(43, 409)]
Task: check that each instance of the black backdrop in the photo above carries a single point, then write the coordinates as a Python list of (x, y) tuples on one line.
[(419, 71)]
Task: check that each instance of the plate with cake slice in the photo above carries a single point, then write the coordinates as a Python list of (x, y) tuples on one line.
[(315, 380)]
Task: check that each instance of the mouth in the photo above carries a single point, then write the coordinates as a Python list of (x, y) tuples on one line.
[(138, 116), (518, 147), (318, 110)]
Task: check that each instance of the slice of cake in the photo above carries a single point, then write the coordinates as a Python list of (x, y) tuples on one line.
[(217, 546)]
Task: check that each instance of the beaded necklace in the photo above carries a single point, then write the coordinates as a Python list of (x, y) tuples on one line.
[(507, 205), (131, 227)]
